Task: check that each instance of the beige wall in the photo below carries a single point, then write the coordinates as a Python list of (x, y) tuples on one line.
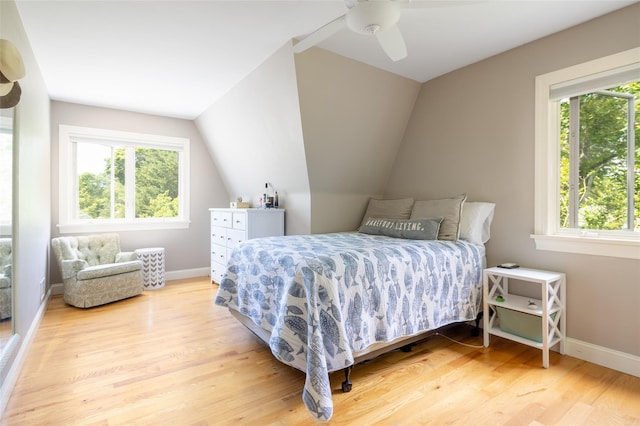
[(207, 189), (254, 135), (353, 120), (472, 131)]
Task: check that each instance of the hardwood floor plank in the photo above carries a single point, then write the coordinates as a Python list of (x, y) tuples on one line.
[(171, 357)]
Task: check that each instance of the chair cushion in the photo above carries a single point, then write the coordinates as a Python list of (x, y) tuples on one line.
[(97, 249), (99, 271)]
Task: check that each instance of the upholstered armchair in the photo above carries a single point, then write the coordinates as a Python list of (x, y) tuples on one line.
[(95, 271), (6, 261)]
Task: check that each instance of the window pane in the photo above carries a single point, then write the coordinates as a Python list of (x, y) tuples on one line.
[(157, 183), (564, 164), (602, 189), (603, 162), (100, 192)]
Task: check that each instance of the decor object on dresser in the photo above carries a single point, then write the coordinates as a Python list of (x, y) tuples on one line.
[(6, 260), (95, 271), (326, 302), (229, 227), (540, 323), (152, 267)]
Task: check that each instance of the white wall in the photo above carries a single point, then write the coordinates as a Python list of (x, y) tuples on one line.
[(472, 131), (255, 136), (31, 198), (207, 189)]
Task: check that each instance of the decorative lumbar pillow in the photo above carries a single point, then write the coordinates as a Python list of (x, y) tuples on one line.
[(448, 208), (390, 209), (417, 229), (475, 222)]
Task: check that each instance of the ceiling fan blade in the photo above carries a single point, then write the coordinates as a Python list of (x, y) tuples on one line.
[(409, 4), (392, 43), (320, 34)]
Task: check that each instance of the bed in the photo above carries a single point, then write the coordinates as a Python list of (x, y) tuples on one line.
[(324, 302)]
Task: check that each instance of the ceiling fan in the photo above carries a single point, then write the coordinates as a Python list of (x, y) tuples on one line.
[(376, 18), (370, 17)]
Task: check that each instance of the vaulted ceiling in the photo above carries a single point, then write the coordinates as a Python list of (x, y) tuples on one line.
[(176, 58)]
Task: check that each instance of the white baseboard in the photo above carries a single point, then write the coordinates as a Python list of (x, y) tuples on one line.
[(58, 288), (616, 360), (187, 273)]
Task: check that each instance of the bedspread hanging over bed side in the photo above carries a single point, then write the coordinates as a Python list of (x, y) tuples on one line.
[(325, 297)]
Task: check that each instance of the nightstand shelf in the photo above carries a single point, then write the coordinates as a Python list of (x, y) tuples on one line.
[(520, 322)]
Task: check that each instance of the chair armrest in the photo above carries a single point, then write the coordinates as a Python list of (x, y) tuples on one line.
[(70, 268), (126, 256), (109, 269)]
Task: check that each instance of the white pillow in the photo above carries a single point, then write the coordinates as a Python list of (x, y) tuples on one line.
[(475, 222)]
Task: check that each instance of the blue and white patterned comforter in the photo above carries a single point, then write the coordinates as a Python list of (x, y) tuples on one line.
[(325, 297)]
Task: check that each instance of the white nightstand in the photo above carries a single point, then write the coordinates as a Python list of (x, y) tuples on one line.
[(542, 326)]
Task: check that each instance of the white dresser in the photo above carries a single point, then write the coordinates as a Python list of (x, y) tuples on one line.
[(232, 226)]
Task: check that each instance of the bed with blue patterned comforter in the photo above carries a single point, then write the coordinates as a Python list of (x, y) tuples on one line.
[(324, 298)]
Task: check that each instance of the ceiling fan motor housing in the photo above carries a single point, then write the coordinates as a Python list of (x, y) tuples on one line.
[(369, 17)]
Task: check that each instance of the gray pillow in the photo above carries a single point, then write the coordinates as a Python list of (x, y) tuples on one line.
[(390, 209), (418, 229), (448, 208)]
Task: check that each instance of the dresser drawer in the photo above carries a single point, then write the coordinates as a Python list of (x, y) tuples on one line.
[(217, 272), (219, 235), (239, 221), (235, 237), (220, 218), (219, 254)]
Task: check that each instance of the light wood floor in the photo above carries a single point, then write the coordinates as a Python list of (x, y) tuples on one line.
[(171, 357)]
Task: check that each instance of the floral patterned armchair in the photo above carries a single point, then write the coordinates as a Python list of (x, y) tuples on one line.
[(95, 271), (6, 261)]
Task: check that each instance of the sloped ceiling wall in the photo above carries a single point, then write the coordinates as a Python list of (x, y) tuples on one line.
[(353, 120), (323, 129), (254, 136)]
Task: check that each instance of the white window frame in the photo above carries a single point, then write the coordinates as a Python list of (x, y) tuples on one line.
[(68, 182), (547, 232)]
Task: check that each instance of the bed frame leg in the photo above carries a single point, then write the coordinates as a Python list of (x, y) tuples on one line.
[(347, 385), (406, 348), (476, 331)]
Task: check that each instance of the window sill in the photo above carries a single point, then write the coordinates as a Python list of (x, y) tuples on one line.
[(597, 246), (71, 228)]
